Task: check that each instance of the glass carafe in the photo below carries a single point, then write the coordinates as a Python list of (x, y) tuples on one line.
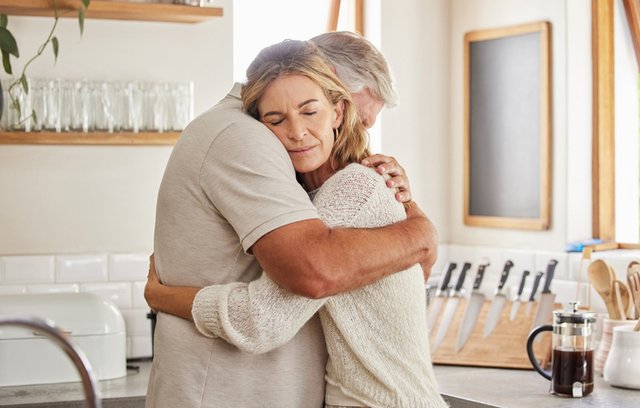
[(572, 352)]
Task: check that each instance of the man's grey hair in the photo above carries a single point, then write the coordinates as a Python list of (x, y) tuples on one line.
[(358, 64)]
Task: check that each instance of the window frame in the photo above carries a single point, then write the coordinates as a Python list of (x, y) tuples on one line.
[(603, 140)]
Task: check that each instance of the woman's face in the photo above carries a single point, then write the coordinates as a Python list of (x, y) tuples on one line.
[(297, 111)]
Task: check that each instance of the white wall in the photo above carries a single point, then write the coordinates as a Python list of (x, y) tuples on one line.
[(73, 199), (415, 38)]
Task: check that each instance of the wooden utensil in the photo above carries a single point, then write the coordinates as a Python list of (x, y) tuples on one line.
[(632, 270), (621, 299), (634, 287), (601, 279)]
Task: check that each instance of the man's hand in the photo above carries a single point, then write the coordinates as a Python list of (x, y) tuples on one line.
[(389, 165)]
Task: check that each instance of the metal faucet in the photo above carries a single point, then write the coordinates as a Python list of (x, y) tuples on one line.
[(75, 354)]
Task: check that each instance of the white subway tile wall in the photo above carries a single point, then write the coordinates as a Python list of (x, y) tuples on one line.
[(128, 267), (119, 278), (117, 292), (28, 269), (81, 268), (137, 294)]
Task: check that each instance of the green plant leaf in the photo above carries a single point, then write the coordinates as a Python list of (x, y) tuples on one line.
[(8, 42), (86, 3), (56, 47), (6, 62), (81, 20), (34, 116), (4, 20), (24, 83)]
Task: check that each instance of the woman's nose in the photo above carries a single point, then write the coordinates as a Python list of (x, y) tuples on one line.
[(296, 130)]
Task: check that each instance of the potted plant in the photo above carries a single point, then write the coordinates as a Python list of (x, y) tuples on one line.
[(9, 47)]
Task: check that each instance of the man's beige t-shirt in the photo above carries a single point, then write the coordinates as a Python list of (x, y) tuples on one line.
[(228, 182)]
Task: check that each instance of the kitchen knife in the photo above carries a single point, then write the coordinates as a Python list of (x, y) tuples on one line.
[(498, 302), (547, 299), (534, 290), (452, 305), (471, 313), (516, 301), (434, 309)]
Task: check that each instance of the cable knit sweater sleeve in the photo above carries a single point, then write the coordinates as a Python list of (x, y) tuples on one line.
[(256, 317), (260, 316)]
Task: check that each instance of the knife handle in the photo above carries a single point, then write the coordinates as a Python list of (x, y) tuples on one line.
[(463, 274), (505, 274), (522, 282), (536, 283), (447, 276), (479, 276), (551, 267)]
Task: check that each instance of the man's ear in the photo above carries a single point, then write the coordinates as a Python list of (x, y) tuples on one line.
[(338, 108)]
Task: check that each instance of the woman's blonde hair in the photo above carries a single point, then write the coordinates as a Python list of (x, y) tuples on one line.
[(293, 57)]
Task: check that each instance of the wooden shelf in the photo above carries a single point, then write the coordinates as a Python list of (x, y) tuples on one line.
[(113, 10), (93, 138)]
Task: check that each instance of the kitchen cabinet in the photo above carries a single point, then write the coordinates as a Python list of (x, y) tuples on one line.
[(111, 10)]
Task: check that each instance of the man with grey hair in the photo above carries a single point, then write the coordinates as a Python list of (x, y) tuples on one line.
[(363, 70), (228, 207)]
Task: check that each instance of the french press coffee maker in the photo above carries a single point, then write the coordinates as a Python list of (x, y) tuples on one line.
[(572, 358)]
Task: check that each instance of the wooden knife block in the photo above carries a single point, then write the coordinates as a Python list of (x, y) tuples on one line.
[(505, 347)]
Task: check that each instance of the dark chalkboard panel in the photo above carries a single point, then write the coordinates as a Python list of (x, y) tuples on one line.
[(508, 127)]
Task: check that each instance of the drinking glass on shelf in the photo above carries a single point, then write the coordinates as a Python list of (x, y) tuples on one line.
[(5, 122), (183, 106), (18, 107), (149, 109), (171, 102), (76, 113), (38, 103), (68, 106), (130, 98), (86, 111), (52, 95), (102, 100)]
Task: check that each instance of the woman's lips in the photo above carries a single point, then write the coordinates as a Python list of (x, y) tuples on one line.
[(301, 150)]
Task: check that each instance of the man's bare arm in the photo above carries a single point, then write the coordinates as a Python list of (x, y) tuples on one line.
[(312, 260)]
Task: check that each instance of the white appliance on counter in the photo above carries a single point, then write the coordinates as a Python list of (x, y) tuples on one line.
[(94, 324)]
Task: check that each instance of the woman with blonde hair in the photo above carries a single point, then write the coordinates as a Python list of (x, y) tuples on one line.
[(376, 336)]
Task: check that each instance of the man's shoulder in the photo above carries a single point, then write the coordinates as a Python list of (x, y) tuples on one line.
[(227, 120)]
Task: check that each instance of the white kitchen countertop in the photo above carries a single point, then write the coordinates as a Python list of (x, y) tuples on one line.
[(464, 387)]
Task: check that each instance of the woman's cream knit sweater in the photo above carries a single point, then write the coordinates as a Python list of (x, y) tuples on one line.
[(376, 336)]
